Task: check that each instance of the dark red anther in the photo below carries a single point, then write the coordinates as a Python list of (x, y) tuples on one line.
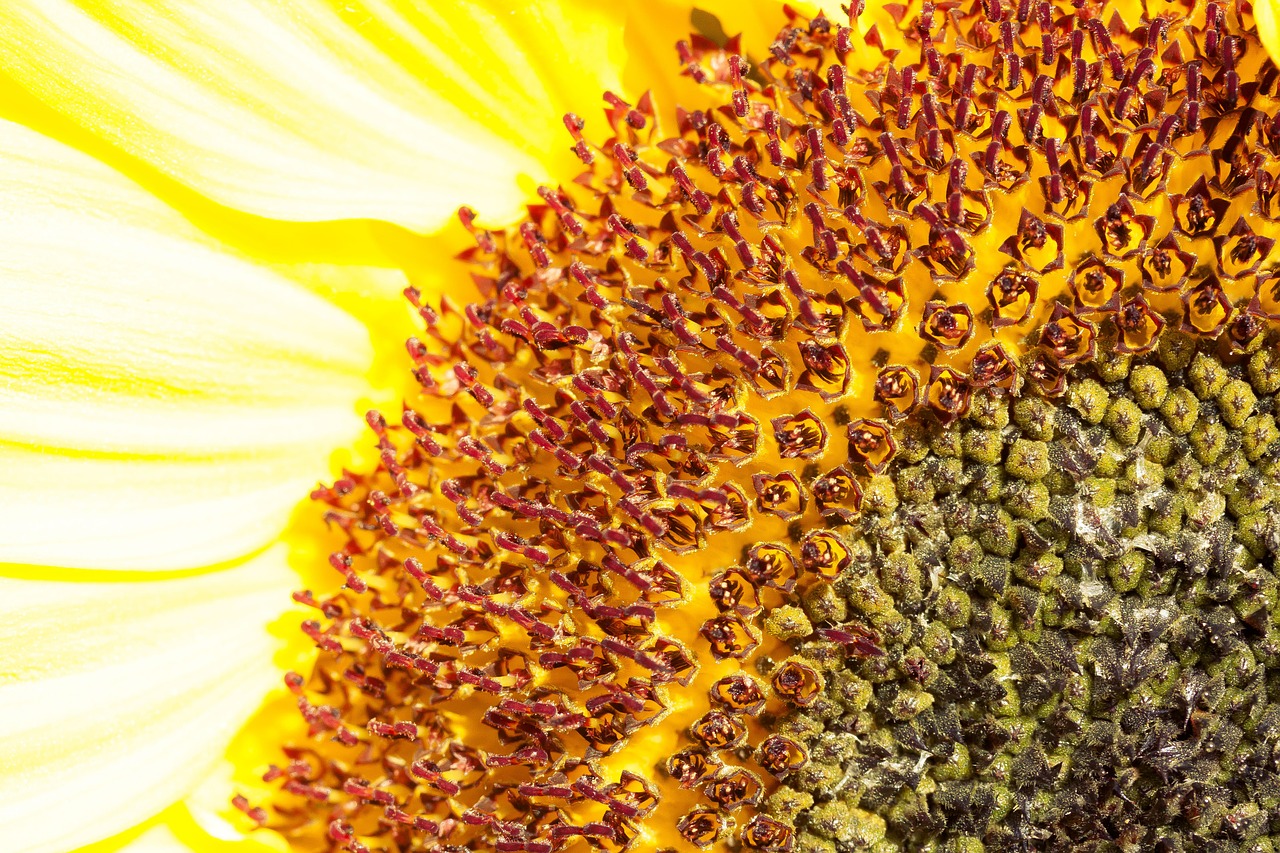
[(743, 357), (403, 730), (818, 170), (813, 136), (574, 125), (752, 202), (905, 99), (827, 103), (715, 165), (312, 629), (774, 149), (534, 243), (730, 226), (482, 237), (929, 110), (255, 813), (745, 171)]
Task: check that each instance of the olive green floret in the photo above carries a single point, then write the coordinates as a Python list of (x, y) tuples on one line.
[(1180, 410), (989, 410), (1027, 460), (824, 604), (788, 623), (1035, 417), (1149, 385), (914, 484), (1089, 399), (983, 445), (786, 803), (1114, 368), (1175, 350), (879, 495), (1264, 370), (1236, 401), (1206, 376), (1124, 419), (1257, 436), (1027, 500), (1209, 441)]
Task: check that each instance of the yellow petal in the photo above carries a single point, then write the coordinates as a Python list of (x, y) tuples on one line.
[(115, 698), (1264, 14), (323, 109), (162, 403)]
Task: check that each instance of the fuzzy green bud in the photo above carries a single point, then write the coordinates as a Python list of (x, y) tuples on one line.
[(1206, 376), (956, 767), (900, 577), (1180, 410), (1208, 441), (1089, 399), (785, 803), (1175, 349), (1027, 460), (953, 606), (1114, 367), (1000, 536), (1236, 401), (1264, 370), (964, 554), (1165, 517), (1257, 436), (1034, 417), (983, 445), (1027, 500), (987, 485), (1098, 491), (1161, 446), (1148, 385), (947, 442), (913, 484), (1126, 571), (989, 410), (1038, 570), (938, 643), (1124, 419), (910, 703), (865, 596), (879, 495), (824, 604), (913, 444), (788, 623)]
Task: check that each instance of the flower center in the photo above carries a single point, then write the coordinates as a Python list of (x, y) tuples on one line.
[(709, 524)]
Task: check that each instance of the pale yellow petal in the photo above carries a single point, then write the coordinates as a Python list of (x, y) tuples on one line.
[(116, 698), (162, 403), (322, 109)]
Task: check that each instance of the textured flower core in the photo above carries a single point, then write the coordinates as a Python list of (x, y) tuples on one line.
[(881, 457)]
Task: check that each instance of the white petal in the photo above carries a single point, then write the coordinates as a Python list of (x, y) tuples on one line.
[(116, 698), (162, 403), (311, 109)]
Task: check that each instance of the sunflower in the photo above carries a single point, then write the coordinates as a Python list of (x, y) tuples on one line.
[(875, 451)]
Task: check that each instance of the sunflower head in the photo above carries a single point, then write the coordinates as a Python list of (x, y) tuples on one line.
[(877, 455)]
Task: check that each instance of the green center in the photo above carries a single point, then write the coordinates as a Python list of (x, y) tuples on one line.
[(1070, 609)]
